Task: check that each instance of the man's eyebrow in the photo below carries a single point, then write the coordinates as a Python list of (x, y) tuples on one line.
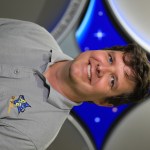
[(113, 56)]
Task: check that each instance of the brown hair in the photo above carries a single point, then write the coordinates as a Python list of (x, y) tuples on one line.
[(140, 65)]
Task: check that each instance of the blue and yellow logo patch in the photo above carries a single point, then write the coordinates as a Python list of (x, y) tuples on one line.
[(19, 102)]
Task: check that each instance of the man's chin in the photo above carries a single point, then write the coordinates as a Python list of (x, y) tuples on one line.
[(74, 74)]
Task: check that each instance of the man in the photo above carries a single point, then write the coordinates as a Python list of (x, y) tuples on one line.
[(39, 84)]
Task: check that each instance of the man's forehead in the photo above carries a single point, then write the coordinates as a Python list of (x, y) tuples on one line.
[(126, 74)]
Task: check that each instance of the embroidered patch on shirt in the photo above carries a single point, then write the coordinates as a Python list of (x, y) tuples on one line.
[(19, 102)]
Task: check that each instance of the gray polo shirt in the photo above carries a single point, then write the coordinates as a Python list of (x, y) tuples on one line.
[(31, 111)]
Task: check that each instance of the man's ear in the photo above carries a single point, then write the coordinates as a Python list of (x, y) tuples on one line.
[(103, 103)]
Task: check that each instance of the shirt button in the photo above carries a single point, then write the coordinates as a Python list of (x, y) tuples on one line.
[(16, 71), (34, 72)]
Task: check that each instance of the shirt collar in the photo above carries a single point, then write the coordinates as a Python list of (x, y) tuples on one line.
[(57, 56), (59, 101)]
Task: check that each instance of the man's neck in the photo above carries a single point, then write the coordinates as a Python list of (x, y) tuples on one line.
[(57, 76), (52, 74)]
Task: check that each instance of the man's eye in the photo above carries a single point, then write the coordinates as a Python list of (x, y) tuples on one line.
[(112, 81), (110, 59)]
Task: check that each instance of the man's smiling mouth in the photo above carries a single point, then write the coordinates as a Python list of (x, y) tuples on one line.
[(89, 72)]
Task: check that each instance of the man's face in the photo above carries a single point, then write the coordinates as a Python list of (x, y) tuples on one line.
[(96, 75)]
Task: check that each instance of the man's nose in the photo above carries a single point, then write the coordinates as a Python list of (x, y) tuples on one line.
[(102, 70)]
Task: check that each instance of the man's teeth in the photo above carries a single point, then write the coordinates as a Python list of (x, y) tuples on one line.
[(89, 72)]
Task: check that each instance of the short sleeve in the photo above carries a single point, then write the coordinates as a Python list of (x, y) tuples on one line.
[(12, 139)]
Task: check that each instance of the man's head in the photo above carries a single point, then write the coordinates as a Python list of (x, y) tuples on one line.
[(115, 76)]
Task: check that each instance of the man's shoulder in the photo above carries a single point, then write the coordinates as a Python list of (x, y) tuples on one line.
[(15, 22), (21, 28), (26, 33)]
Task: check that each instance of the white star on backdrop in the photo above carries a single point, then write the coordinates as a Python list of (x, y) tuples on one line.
[(99, 35), (100, 13), (97, 119)]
